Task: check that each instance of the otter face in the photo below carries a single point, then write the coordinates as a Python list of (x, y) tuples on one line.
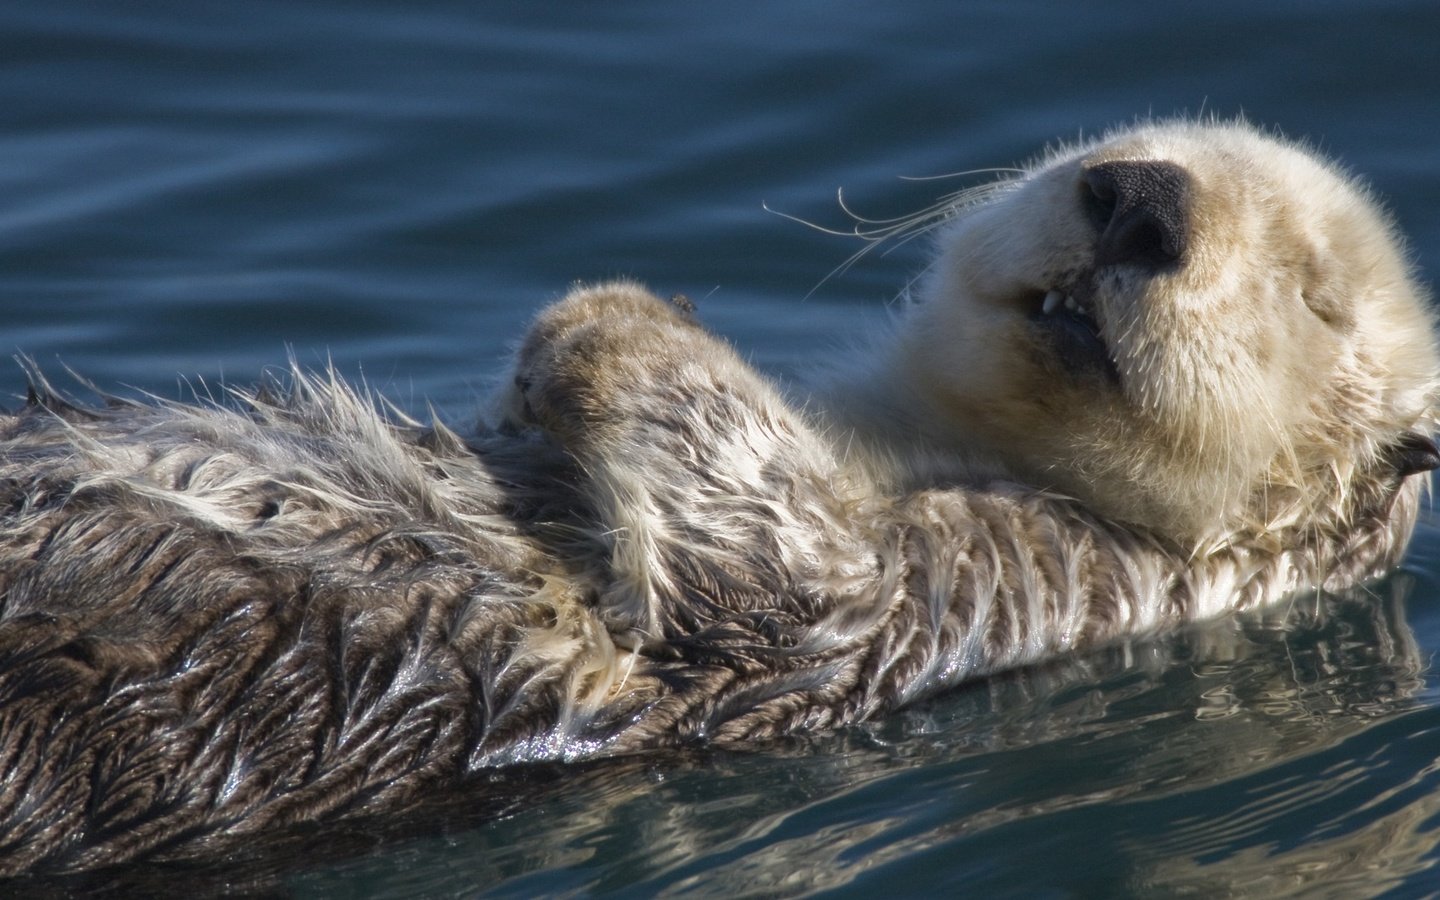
[(1186, 326)]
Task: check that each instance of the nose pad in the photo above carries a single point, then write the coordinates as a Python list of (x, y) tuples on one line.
[(1142, 209)]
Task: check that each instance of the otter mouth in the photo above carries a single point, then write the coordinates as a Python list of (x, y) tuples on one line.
[(1066, 320)]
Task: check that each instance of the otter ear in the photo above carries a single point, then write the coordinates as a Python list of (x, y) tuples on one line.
[(1413, 453)]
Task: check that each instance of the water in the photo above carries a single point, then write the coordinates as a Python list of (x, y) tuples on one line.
[(194, 190)]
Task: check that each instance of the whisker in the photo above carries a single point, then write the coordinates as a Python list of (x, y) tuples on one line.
[(897, 231), (806, 222), (995, 170)]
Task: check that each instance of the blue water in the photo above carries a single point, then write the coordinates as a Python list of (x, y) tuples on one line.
[(189, 191)]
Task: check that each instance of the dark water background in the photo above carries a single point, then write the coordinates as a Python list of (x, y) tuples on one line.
[(187, 189)]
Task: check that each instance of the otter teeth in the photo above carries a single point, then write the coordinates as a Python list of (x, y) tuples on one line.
[(1055, 299)]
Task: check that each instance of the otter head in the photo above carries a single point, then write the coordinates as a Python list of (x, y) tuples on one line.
[(1190, 327)]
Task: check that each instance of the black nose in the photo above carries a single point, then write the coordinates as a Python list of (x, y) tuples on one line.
[(1142, 210)]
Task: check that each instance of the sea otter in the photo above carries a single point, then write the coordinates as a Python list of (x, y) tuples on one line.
[(1174, 372)]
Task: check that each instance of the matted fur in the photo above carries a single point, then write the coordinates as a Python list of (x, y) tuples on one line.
[(224, 617)]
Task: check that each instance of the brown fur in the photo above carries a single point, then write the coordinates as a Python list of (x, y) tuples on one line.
[(219, 620)]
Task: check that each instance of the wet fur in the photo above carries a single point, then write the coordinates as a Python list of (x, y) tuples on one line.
[(220, 618)]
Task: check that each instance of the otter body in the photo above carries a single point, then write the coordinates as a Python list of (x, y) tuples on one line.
[(1174, 373)]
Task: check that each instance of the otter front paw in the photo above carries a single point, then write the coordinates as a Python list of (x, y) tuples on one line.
[(588, 356)]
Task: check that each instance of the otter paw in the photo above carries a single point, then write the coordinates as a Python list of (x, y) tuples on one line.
[(587, 349)]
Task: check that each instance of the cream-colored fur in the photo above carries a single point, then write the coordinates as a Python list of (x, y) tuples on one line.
[(1255, 378)]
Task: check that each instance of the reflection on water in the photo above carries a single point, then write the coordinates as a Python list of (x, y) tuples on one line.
[(1275, 754)]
